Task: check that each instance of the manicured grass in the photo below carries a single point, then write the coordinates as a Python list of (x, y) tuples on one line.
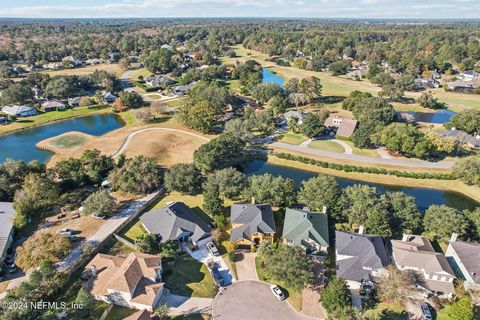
[(294, 297), (234, 85), (363, 152), (136, 230), (109, 67), (139, 72), (175, 103), (69, 141), (326, 145), (387, 311), (119, 312), (293, 138), (190, 278), (47, 117), (452, 185)]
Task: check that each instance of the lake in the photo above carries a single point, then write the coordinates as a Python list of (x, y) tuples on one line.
[(439, 117), (20, 145), (270, 77), (424, 197)]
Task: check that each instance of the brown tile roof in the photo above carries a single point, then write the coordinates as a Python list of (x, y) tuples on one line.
[(123, 274)]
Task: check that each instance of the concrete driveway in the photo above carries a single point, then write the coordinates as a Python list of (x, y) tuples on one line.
[(251, 300), (245, 264), (203, 255)]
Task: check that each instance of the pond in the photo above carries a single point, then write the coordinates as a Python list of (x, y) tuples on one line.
[(424, 197), (439, 117), (20, 145), (270, 77)]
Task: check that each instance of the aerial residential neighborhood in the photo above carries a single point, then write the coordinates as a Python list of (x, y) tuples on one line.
[(257, 160)]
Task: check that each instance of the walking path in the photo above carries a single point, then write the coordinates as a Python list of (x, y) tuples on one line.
[(305, 143), (383, 153), (133, 134), (358, 158), (180, 305)]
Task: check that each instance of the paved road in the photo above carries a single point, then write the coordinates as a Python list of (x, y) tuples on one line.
[(133, 134), (354, 157), (252, 300)]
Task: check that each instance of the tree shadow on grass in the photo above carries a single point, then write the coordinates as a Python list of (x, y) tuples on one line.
[(186, 271)]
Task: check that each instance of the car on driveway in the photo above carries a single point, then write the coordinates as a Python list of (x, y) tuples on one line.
[(66, 231), (277, 292), (213, 250), (427, 314)]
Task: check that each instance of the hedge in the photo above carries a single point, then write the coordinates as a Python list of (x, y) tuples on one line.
[(373, 170), (147, 88)]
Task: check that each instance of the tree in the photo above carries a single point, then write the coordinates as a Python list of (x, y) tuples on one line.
[(169, 249), (147, 243), (202, 116), (467, 120), (182, 177), (212, 203), (16, 94), (277, 191), (41, 246), (427, 100), (468, 170), (230, 182), (159, 60), (96, 166), (12, 175), (397, 286), (378, 222), (265, 91), (278, 104), (288, 264), (86, 300), (320, 191), (311, 87), (132, 99), (462, 309), (239, 127), (99, 203), (405, 138), (227, 150), (335, 296), (139, 175), (406, 218), (37, 195), (125, 63), (313, 124), (162, 312), (442, 221), (357, 202), (339, 67), (143, 115)]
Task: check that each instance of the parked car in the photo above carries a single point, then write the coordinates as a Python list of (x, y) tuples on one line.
[(213, 250), (100, 216), (277, 292), (12, 269), (66, 231), (427, 314)]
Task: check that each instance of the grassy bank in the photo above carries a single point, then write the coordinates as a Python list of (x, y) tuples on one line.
[(450, 185)]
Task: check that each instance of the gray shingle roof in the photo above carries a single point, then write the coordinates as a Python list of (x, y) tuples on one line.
[(7, 214), (360, 252), (301, 225), (251, 218), (469, 255), (170, 221)]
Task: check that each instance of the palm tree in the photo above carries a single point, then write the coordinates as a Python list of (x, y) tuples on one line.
[(264, 247)]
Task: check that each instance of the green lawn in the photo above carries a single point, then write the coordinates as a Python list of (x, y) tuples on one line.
[(190, 278), (132, 233), (293, 138), (68, 141), (195, 316), (326, 145), (387, 311), (294, 297), (119, 312)]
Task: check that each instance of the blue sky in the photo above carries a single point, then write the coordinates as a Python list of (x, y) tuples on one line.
[(413, 9)]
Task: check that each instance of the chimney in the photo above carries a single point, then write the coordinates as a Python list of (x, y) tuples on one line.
[(93, 269), (361, 229), (324, 209), (453, 237), (253, 200)]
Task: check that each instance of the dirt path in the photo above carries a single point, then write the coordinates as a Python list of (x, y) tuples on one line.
[(133, 134)]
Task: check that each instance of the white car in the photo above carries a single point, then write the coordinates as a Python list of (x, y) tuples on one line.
[(213, 250), (277, 292)]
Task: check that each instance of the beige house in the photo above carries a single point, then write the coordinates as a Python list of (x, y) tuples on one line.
[(416, 253), (343, 127), (134, 281)]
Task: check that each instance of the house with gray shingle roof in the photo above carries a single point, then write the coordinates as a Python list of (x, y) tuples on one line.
[(20, 111), (434, 273), (176, 221), (252, 223), (7, 214), (359, 257), (307, 229), (464, 258)]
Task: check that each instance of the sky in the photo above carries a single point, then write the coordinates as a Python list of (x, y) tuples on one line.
[(382, 9)]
